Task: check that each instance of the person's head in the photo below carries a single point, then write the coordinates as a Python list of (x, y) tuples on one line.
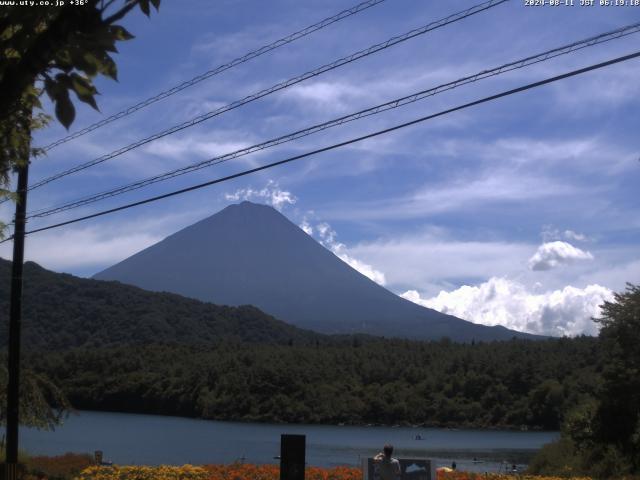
[(388, 450)]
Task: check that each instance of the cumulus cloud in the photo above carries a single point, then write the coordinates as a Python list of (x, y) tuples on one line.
[(271, 195), (327, 237), (500, 301), (553, 254)]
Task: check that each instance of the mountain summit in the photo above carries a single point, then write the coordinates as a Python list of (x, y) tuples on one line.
[(252, 254)]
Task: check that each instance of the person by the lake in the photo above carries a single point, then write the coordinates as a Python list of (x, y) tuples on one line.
[(388, 468)]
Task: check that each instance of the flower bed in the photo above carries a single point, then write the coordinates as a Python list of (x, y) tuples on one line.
[(163, 472), (245, 471)]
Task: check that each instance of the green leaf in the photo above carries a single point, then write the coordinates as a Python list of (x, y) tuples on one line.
[(51, 87), (156, 3), (65, 111), (105, 39), (84, 90), (63, 60), (120, 33), (48, 87), (108, 67), (63, 80), (144, 6), (85, 62), (82, 85)]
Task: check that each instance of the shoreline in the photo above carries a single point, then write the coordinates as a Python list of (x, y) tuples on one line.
[(434, 426)]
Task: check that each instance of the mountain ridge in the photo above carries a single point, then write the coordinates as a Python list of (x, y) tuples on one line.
[(252, 254), (61, 311)]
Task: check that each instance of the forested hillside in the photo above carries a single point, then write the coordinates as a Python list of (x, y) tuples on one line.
[(513, 384), (62, 311)]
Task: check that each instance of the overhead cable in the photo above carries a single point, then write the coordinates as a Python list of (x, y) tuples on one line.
[(398, 102), (275, 88), (219, 69), (341, 144)]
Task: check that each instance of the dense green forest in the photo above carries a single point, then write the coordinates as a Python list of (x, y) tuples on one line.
[(358, 380), (202, 360)]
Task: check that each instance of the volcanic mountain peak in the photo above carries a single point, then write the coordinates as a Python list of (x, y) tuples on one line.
[(252, 254)]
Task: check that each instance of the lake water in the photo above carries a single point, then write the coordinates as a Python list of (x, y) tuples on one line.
[(152, 440)]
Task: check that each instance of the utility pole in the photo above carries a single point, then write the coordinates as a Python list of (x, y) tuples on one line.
[(15, 318)]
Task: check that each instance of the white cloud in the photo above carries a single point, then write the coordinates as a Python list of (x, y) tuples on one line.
[(553, 254), (224, 46), (271, 195), (571, 235), (500, 301), (84, 249), (434, 260), (328, 95), (364, 268), (498, 187), (598, 92), (306, 227), (549, 234), (328, 238), (184, 149), (591, 153)]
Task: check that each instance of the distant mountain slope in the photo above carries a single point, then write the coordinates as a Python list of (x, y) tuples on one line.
[(62, 311), (252, 254)]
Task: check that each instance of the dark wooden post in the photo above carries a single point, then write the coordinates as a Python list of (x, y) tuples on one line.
[(292, 457), (15, 318)]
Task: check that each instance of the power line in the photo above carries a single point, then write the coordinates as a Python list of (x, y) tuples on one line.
[(345, 143), (219, 69), (280, 86), (534, 59)]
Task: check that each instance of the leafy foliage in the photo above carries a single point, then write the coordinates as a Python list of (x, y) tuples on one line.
[(617, 420), (557, 458), (601, 436), (42, 404), (60, 50)]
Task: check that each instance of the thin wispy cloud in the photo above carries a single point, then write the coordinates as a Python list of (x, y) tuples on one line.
[(328, 237)]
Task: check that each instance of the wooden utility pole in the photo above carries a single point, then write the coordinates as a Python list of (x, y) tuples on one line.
[(15, 318)]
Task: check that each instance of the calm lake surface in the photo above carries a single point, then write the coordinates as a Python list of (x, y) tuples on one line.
[(152, 440)]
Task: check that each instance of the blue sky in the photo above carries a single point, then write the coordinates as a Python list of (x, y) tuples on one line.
[(522, 212)]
